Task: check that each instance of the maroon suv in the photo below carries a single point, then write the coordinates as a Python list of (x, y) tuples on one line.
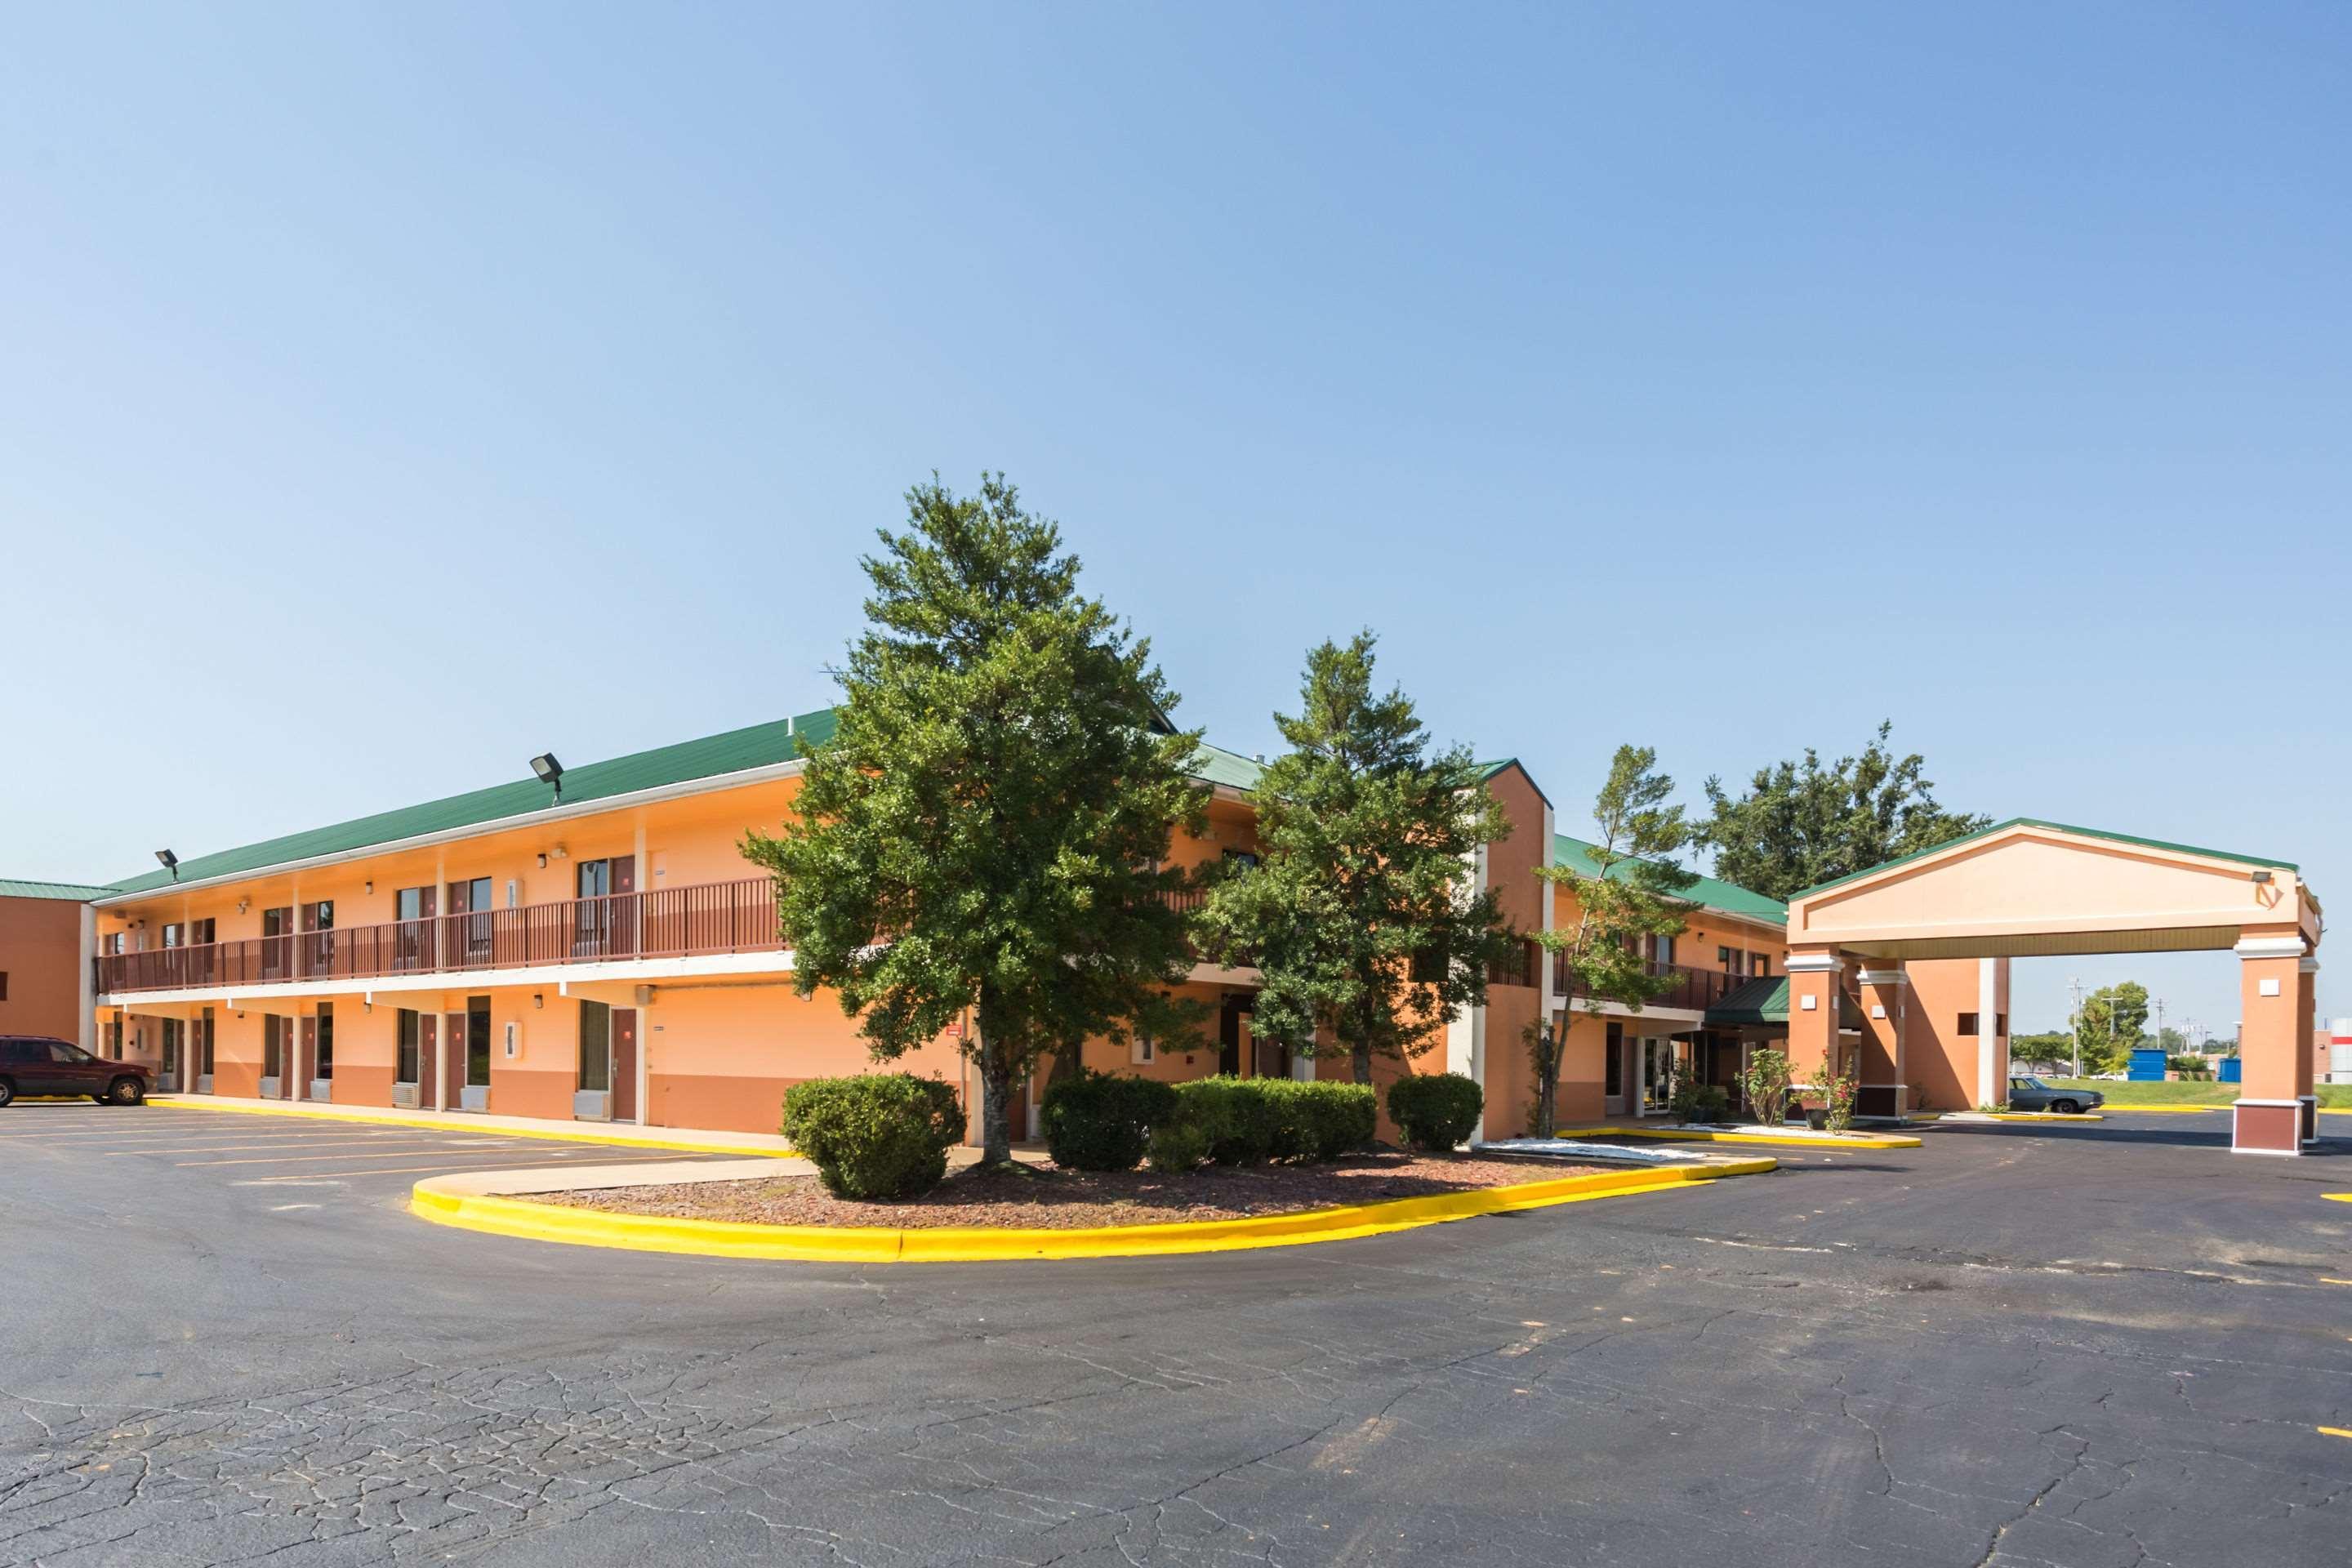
[(37, 1064)]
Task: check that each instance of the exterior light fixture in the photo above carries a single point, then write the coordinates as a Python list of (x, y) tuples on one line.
[(240, 909), (549, 771), (170, 862), (367, 887), (2262, 876), (538, 1000)]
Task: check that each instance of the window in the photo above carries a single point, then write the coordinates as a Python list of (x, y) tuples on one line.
[(1241, 859), (1141, 1050), (2000, 1024), (595, 1046), (65, 1054), (4, 986), (326, 1064), (408, 904), (174, 934), (1760, 963), (477, 1042), (200, 933), (114, 945), (406, 1052), (1727, 960), (1967, 1024)]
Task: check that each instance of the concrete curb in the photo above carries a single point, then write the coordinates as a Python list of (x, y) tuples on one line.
[(445, 1124), (445, 1201), (1790, 1139), (2025, 1115)]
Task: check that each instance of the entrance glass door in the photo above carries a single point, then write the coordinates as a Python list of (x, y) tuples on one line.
[(1657, 1075)]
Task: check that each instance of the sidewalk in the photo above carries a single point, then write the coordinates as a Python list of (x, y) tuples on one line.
[(697, 1140)]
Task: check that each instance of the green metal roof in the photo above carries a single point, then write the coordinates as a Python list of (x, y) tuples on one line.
[(1765, 1000), (73, 892), (713, 756), (2055, 827), (1729, 897)]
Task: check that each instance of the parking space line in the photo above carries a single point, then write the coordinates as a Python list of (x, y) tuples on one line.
[(516, 1162), (297, 1144), (455, 1158)]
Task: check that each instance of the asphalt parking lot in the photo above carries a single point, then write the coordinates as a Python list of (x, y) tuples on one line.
[(2103, 1344)]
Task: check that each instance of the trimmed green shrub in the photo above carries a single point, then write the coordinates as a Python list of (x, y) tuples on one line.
[(877, 1135), (1435, 1110), (1103, 1122), (1321, 1122), (1249, 1122)]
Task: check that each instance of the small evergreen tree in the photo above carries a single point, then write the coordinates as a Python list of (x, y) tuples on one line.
[(988, 828), (1358, 915), (1631, 892)]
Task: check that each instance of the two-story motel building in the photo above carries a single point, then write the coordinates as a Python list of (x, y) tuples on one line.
[(595, 947)]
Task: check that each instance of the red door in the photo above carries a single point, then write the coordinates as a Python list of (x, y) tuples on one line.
[(305, 1058), (625, 1064), (624, 906), (453, 1062)]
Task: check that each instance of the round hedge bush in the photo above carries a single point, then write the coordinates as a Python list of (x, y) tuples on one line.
[(1319, 1123), (1435, 1110), (876, 1135), (1102, 1121)]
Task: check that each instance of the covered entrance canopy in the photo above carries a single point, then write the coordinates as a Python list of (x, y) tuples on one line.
[(2032, 888)]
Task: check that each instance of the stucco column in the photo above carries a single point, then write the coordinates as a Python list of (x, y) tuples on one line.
[(1883, 993), (1813, 976), (2269, 1115), (2306, 1044)]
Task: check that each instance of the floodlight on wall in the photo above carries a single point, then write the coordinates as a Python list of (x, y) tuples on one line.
[(170, 862), (549, 771), (2262, 876)]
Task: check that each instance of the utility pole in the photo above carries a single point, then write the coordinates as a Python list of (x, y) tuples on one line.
[(2159, 1024), (2075, 985)]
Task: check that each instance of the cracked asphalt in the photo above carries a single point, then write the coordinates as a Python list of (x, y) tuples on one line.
[(2098, 1346)]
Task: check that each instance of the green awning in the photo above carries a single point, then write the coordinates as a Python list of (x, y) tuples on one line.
[(1763, 1002)]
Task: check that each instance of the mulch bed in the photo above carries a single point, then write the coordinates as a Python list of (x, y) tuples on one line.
[(1048, 1198)]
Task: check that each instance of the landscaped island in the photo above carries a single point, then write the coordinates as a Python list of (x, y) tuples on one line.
[(1045, 1197)]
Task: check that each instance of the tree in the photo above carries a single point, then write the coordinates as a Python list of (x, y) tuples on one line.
[(2111, 1021), (2053, 1049), (1800, 825), (1358, 915), (989, 826), (1631, 892)]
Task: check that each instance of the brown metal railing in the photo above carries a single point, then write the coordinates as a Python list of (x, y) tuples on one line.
[(667, 922), (1691, 990)]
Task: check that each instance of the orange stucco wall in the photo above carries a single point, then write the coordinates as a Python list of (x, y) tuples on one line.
[(40, 953), (1939, 1062)]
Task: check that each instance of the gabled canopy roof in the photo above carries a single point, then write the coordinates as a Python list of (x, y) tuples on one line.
[(2028, 887)]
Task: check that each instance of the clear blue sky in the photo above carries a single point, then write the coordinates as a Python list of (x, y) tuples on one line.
[(388, 394)]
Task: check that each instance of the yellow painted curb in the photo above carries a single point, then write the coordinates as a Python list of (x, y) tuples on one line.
[(2338, 1197), (628, 1139), (1776, 1141), (2171, 1109), (431, 1200)]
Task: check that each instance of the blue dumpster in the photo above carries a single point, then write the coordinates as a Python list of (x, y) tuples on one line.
[(2229, 1071), (2146, 1065)]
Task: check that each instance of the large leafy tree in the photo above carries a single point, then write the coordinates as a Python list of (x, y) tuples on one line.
[(1631, 891), (989, 826), (1801, 824), (2112, 1020), (1360, 915)]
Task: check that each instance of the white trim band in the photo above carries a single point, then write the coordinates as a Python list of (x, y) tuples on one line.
[(2268, 947)]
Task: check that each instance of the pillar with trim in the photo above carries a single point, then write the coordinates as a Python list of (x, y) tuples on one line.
[(2306, 1048), (1813, 980), (2270, 1112), (1884, 1090)]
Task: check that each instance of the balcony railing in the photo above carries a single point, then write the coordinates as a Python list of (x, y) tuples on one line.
[(667, 922), (1691, 990)]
